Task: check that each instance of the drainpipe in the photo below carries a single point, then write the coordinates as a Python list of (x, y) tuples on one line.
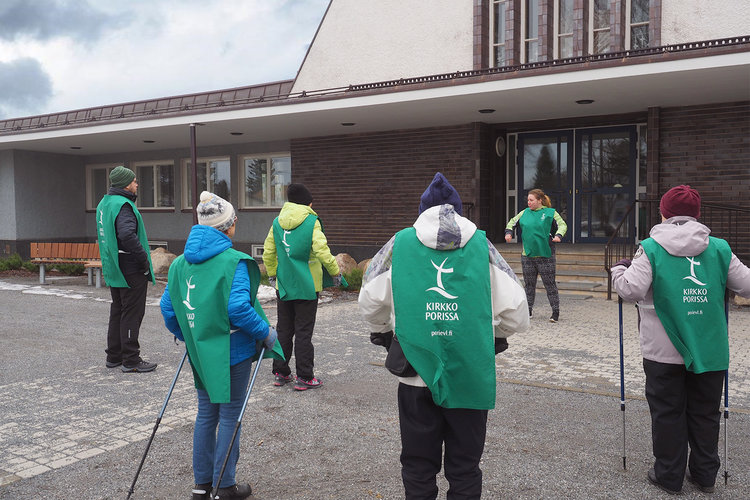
[(194, 176)]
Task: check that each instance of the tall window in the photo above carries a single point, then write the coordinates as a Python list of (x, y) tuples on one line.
[(530, 31), (213, 175), (600, 30), (637, 34), (155, 184), (497, 29), (265, 179), (564, 28), (97, 183)]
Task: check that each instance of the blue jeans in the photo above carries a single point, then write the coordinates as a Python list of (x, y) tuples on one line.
[(210, 447)]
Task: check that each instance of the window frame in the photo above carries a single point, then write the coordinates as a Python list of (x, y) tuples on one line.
[(523, 38), (494, 44), (629, 24), (154, 163), (92, 203), (186, 181), (241, 186), (593, 31), (556, 32)]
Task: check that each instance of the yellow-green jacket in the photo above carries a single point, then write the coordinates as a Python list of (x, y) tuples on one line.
[(291, 216)]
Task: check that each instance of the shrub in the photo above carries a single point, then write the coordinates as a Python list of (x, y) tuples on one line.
[(30, 266), (12, 262), (264, 279), (70, 269), (354, 278)]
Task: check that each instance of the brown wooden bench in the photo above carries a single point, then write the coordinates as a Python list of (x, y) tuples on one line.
[(86, 254)]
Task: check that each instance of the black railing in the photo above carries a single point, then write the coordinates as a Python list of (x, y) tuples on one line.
[(727, 222)]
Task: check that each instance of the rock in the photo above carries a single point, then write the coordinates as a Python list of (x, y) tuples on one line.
[(363, 265), (161, 260), (741, 301), (346, 262)]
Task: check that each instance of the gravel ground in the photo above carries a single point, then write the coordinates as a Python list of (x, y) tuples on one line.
[(338, 442)]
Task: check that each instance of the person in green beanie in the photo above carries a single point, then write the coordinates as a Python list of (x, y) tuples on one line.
[(127, 269)]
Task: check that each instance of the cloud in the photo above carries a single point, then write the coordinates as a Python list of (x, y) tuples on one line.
[(26, 87), (45, 20)]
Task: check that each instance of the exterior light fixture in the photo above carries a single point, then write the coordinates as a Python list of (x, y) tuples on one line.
[(148, 141), (236, 133), (348, 124), (584, 101), (486, 111), (75, 147)]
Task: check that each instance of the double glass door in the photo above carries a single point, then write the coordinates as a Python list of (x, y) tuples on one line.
[(589, 175)]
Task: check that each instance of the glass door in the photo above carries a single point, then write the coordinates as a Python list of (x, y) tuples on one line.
[(605, 182), (545, 162)]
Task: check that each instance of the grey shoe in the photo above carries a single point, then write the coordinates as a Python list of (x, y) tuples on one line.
[(141, 367), (655, 482), (704, 489), (113, 364)]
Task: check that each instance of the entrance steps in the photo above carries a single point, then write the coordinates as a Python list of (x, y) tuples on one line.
[(580, 269)]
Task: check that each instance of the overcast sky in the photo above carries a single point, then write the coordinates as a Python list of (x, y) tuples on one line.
[(60, 55)]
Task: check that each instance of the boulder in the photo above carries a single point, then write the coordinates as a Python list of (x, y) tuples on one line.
[(346, 262), (741, 301), (161, 259), (363, 265)]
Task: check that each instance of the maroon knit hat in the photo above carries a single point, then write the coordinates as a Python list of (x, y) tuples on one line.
[(681, 200)]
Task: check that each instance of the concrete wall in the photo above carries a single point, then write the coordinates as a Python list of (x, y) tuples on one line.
[(362, 42), (7, 197), (693, 20)]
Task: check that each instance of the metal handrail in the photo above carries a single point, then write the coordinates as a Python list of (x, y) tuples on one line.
[(723, 220)]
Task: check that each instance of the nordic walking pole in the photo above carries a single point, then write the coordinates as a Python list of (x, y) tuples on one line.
[(239, 421), (726, 399), (156, 425), (622, 386)]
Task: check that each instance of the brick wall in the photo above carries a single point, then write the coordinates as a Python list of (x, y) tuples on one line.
[(366, 187)]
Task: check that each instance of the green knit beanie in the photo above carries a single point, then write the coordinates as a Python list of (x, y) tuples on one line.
[(121, 177)]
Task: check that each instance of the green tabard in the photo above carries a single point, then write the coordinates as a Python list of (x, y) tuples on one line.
[(535, 227), (443, 309), (689, 301), (200, 296), (106, 213), (293, 253)]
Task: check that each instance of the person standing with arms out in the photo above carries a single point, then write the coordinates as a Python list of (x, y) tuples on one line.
[(678, 278), (538, 256), (452, 300), (127, 269), (294, 253), (210, 304)]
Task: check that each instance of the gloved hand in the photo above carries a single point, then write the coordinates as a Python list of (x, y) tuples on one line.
[(623, 262), (382, 338), (272, 281), (337, 280), (270, 340), (501, 344)]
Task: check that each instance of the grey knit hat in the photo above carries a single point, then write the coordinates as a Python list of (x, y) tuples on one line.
[(121, 177), (215, 211)]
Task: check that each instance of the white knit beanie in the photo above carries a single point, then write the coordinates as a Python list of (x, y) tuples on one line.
[(215, 211)]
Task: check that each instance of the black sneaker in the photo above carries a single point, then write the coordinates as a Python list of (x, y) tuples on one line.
[(704, 489), (236, 492), (141, 367), (531, 315), (303, 384), (655, 482), (279, 379), (555, 317), (113, 364), (202, 491)]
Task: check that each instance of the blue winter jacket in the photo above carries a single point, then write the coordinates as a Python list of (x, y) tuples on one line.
[(203, 243)]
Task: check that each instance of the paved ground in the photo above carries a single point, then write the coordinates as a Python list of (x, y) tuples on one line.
[(71, 428)]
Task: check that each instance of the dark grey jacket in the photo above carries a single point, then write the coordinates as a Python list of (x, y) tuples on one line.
[(132, 257)]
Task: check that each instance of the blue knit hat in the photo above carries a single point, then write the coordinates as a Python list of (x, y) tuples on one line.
[(440, 192)]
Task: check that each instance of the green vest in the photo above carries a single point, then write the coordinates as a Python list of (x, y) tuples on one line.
[(294, 279), (442, 303), (106, 213), (200, 296), (689, 301), (535, 228)]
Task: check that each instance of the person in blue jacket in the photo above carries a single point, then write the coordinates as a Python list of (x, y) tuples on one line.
[(207, 254)]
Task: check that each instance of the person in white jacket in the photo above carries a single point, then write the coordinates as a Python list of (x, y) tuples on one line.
[(452, 301), (678, 279)]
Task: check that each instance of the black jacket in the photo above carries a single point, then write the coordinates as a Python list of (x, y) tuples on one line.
[(132, 257)]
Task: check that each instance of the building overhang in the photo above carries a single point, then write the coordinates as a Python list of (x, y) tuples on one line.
[(532, 93)]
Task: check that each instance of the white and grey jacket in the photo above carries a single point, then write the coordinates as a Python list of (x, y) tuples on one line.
[(681, 236), (441, 228)]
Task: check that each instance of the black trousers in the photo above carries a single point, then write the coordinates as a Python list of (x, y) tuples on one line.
[(125, 317), (685, 410), (295, 325), (425, 427)]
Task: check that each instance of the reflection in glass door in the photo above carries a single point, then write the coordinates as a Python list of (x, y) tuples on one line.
[(605, 181), (544, 162)]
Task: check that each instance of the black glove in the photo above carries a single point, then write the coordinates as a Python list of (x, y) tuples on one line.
[(501, 344), (382, 338), (623, 262)]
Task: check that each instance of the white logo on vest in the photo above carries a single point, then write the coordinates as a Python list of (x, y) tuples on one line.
[(692, 276), (283, 240), (692, 295), (190, 286), (440, 288)]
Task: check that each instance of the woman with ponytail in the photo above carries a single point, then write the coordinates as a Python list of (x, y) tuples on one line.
[(538, 223)]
